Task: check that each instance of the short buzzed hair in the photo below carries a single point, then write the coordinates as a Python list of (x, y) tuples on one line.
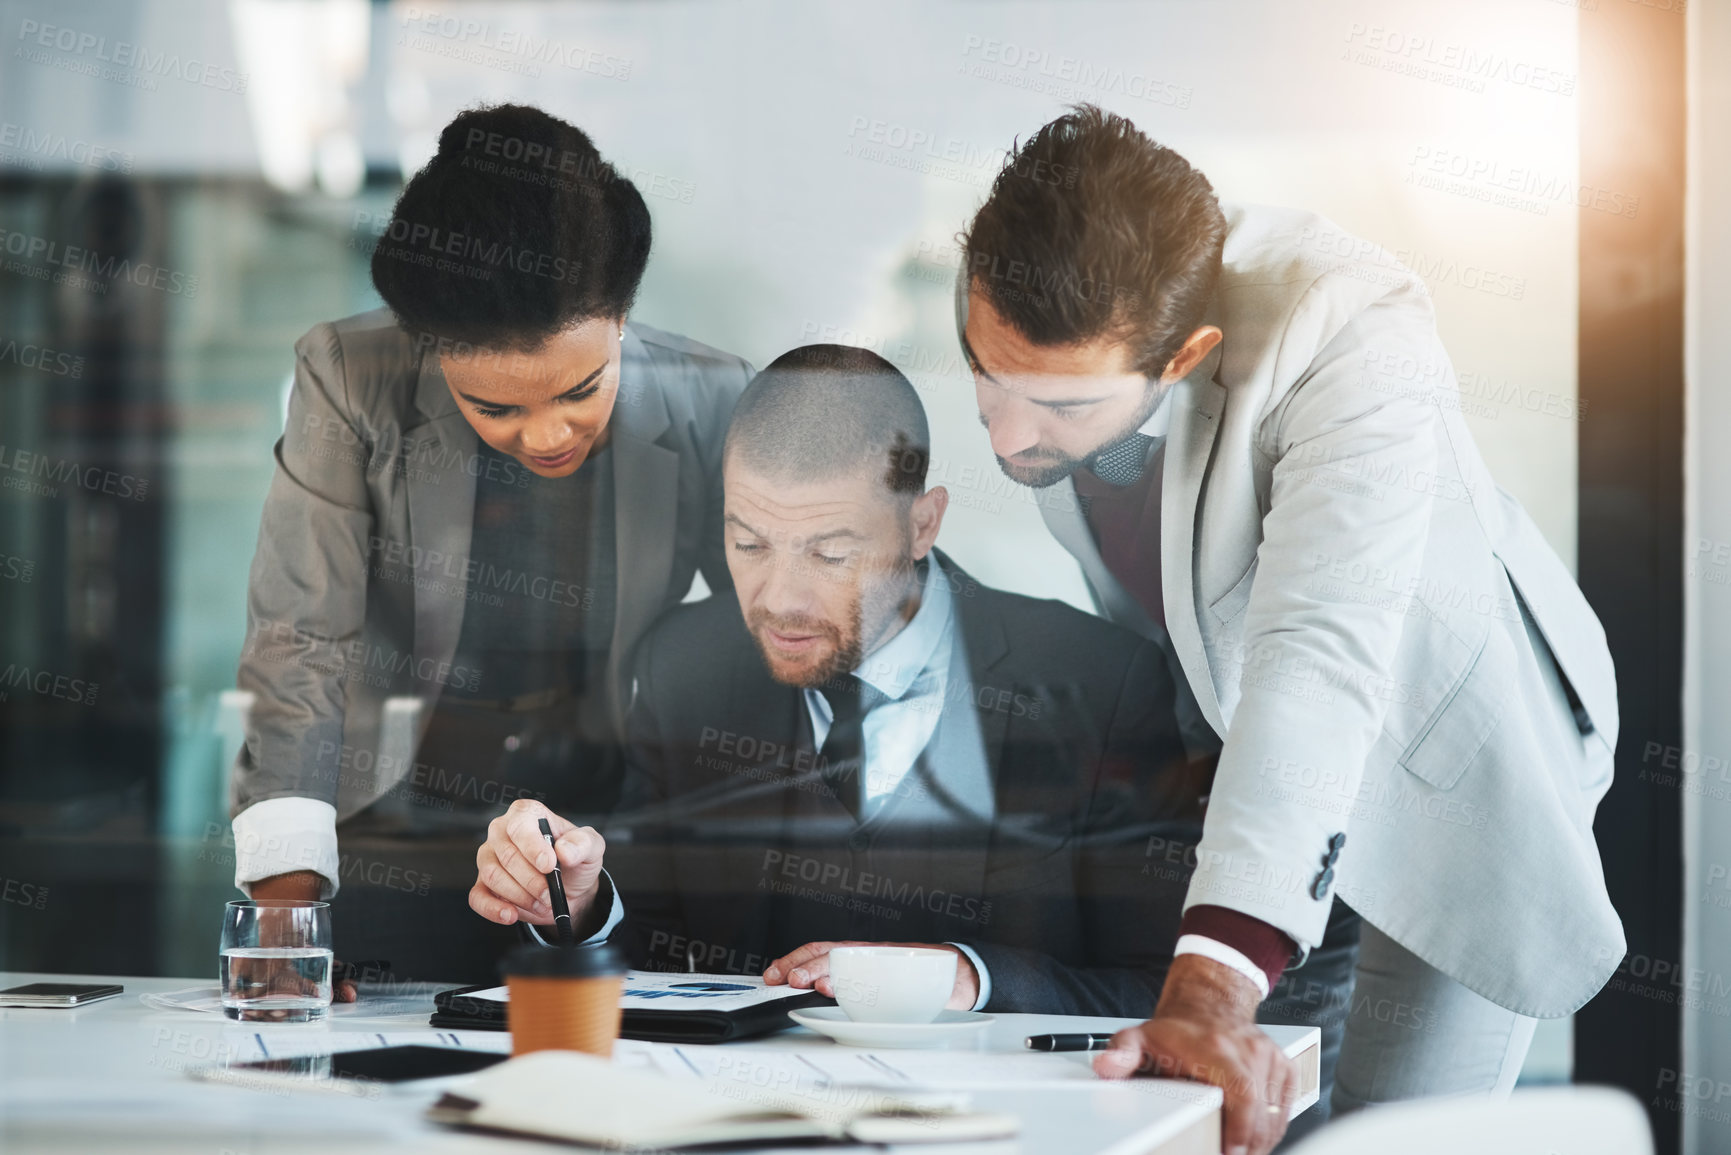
[(821, 411)]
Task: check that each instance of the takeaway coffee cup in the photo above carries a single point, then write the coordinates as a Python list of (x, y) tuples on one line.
[(891, 984), (564, 998)]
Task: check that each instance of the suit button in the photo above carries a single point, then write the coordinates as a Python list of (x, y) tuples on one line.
[(1337, 841), (860, 840), (1332, 857), (1319, 888)]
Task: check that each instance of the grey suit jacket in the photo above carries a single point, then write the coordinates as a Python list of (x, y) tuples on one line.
[(1374, 630), (375, 480)]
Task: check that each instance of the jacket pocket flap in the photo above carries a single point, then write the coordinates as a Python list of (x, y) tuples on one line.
[(1231, 603), (1461, 726)]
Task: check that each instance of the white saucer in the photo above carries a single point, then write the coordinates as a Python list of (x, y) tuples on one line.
[(833, 1021)]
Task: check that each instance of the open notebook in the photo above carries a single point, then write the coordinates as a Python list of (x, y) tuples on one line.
[(583, 1099)]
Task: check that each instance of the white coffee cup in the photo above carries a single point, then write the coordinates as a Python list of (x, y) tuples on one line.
[(892, 984)]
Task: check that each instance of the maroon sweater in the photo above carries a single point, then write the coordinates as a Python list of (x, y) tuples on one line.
[(1125, 523)]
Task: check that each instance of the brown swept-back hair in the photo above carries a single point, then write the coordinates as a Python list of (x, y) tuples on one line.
[(1092, 229)]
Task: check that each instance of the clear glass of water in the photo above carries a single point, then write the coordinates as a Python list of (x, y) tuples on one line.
[(276, 961)]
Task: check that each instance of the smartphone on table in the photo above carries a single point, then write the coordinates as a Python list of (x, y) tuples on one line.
[(354, 1072), (57, 994)]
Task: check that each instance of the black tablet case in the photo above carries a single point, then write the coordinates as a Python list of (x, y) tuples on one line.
[(456, 1012)]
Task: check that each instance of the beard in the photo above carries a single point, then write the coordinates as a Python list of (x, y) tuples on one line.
[(843, 645), (1052, 465), (1052, 468), (837, 654)]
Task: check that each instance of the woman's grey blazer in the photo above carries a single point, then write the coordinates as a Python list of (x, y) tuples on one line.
[(361, 575)]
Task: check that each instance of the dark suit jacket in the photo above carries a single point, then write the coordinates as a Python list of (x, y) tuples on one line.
[(731, 851)]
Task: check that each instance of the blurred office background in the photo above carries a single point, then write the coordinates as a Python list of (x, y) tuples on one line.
[(808, 167)]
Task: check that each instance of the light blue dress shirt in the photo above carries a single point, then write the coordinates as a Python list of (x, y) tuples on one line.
[(911, 674)]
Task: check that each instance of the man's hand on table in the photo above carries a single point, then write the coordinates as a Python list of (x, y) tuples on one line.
[(304, 886), (808, 968), (512, 866), (1204, 1029)]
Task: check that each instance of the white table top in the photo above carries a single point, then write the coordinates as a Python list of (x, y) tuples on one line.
[(110, 1077)]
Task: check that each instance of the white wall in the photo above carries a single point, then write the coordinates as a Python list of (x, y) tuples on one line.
[(780, 220), (1705, 1079)]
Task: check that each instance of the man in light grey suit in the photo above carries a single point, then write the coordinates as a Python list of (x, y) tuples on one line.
[(1375, 638)]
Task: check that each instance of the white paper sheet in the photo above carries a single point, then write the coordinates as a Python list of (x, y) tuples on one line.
[(805, 1069), (292, 1042), (680, 991), (375, 999), (205, 1000)]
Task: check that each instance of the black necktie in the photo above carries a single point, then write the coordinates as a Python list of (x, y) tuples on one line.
[(1122, 464), (843, 753)]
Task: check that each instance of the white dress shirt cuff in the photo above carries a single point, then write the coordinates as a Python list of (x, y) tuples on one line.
[(283, 835), (979, 969), (1226, 955), (614, 918)]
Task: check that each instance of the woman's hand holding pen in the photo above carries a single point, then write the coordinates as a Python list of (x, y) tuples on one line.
[(512, 866)]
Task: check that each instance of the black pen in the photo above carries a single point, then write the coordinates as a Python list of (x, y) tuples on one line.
[(556, 890), (1067, 1042)]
